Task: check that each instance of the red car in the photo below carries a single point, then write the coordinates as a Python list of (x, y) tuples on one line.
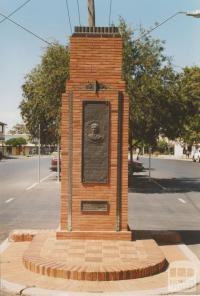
[(54, 162)]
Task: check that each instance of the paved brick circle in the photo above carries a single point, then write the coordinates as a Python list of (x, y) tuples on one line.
[(93, 260)]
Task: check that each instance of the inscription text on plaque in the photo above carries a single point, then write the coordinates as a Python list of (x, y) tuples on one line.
[(94, 206)]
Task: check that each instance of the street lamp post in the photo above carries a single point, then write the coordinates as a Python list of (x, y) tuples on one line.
[(195, 13)]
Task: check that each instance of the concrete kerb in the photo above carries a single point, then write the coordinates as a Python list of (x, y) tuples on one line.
[(4, 245), (36, 291), (165, 157)]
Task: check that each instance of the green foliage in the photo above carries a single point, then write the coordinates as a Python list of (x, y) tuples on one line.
[(190, 89), (19, 128), (161, 100), (162, 146), (16, 142), (153, 87), (42, 92)]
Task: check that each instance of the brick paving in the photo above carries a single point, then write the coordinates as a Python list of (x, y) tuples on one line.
[(13, 270), (93, 260)]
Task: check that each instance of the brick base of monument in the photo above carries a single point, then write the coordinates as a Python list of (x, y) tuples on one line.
[(95, 235), (93, 260)]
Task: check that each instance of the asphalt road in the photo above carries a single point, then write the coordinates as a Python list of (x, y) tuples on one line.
[(170, 200), (23, 202)]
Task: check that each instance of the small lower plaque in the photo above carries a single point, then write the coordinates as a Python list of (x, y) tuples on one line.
[(94, 206)]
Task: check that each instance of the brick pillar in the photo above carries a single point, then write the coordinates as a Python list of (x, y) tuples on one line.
[(94, 185)]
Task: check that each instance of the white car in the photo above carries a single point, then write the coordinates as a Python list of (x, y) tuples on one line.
[(196, 155)]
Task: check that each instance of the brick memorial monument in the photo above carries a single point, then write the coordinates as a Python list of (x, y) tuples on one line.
[(94, 185), (93, 242)]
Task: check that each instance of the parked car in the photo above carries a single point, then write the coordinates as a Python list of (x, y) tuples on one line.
[(54, 162), (134, 166), (196, 155)]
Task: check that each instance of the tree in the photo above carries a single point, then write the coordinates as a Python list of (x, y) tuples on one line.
[(16, 142), (42, 92), (158, 101), (19, 128), (153, 87), (162, 146), (190, 90)]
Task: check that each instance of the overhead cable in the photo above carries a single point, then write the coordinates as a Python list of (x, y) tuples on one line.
[(69, 19), (14, 11), (110, 9), (79, 15), (157, 26), (25, 29)]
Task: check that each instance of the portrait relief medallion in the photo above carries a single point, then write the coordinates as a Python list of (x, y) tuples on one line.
[(94, 134)]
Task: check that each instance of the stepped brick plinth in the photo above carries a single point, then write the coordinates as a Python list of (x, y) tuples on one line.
[(93, 260)]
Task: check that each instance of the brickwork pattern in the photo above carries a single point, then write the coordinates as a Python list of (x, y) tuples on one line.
[(13, 271), (89, 260), (94, 59)]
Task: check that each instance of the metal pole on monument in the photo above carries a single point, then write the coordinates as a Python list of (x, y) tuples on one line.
[(91, 13)]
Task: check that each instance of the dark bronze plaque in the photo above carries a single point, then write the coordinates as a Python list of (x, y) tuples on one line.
[(95, 142), (94, 206)]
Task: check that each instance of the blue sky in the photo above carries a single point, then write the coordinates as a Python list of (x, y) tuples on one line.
[(20, 52)]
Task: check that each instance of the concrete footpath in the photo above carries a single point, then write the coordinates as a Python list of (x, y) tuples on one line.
[(162, 156)]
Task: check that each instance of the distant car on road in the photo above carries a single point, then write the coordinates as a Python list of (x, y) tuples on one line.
[(54, 162), (135, 166), (196, 155)]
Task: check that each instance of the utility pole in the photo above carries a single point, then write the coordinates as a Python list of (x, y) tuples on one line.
[(58, 161), (150, 150), (91, 13), (39, 146)]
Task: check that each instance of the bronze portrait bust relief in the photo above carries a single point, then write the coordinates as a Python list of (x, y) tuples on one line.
[(94, 133)]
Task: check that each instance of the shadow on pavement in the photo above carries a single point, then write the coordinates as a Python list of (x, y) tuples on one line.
[(142, 184), (188, 237)]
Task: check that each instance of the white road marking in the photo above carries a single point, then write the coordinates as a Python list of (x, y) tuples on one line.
[(162, 187), (42, 180), (9, 200), (182, 200), (30, 187)]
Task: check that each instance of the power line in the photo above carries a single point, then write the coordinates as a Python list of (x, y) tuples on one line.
[(157, 26), (79, 15), (110, 9), (14, 11), (69, 19), (25, 29)]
